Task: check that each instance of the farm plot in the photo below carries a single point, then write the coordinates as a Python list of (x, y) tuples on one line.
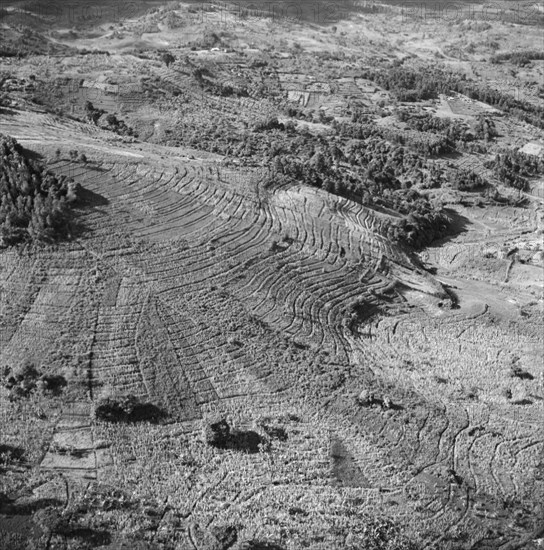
[(204, 293)]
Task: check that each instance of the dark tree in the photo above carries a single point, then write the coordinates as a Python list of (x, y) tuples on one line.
[(217, 433), (167, 58)]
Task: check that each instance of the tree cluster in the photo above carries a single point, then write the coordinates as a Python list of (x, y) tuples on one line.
[(34, 203), (26, 379), (518, 58), (467, 180), (513, 168), (454, 130), (411, 85), (119, 126), (110, 122), (354, 162)]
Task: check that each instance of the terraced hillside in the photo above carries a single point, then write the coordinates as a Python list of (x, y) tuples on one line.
[(192, 286), (295, 300)]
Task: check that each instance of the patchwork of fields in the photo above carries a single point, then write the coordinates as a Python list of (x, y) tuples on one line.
[(192, 286), (248, 251)]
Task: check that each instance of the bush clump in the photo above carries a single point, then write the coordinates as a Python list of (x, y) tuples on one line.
[(21, 382), (27, 379), (127, 408), (220, 435), (217, 434), (10, 455)]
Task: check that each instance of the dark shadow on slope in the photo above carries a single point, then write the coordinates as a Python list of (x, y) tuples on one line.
[(260, 545), (88, 198), (344, 468), (13, 508), (225, 535), (245, 440), (458, 225), (86, 535), (32, 155)]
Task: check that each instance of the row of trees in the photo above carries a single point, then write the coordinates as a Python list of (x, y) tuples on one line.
[(411, 85), (34, 203), (110, 122), (426, 144), (518, 58)]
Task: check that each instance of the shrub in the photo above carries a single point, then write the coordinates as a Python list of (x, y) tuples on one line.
[(52, 383), (126, 409), (22, 382), (168, 59), (275, 432), (217, 433), (10, 455), (27, 379)]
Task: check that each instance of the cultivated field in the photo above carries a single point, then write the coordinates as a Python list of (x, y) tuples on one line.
[(381, 395)]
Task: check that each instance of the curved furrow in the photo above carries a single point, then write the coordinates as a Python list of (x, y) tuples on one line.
[(504, 478), (280, 274), (337, 291), (238, 242), (309, 279), (176, 264), (299, 288), (260, 269), (170, 267), (129, 188), (285, 312), (265, 278), (217, 271), (179, 226), (483, 468), (434, 438), (116, 178), (332, 314), (308, 295)]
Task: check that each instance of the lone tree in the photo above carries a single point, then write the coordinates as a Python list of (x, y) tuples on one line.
[(168, 58), (92, 113)]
